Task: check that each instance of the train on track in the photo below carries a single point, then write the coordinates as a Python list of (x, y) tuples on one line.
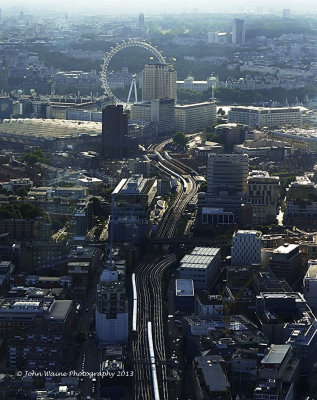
[(135, 309), (183, 180)]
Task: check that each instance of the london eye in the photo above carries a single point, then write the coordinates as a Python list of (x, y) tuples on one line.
[(113, 51)]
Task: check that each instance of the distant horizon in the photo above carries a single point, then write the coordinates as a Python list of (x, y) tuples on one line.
[(164, 6)]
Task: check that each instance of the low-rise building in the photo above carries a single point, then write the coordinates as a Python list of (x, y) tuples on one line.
[(286, 262), (301, 202), (189, 82), (279, 364), (299, 138), (206, 304), (310, 284), (244, 369), (266, 116), (6, 270), (29, 314), (202, 266), (184, 294), (210, 380)]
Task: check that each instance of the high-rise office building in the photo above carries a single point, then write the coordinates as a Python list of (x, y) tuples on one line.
[(159, 82), (111, 309), (227, 174), (114, 131), (141, 21), (238, 31), (191, 118), (162, 112), (246, 248), (131, 208), (6, 107), (264, 195)]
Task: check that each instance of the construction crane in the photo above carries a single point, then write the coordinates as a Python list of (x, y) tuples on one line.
[(227, 305)]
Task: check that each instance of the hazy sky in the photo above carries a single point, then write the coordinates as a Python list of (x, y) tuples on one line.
[(161, 6)]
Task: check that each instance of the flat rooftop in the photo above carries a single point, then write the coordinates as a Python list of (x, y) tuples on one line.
[(241, 232), (194, 259), (184, 287), (194, 106), (259, 109), (213, 374), (312, 271), (286, 248), (60, 309), (296, 133), (205, 251), (276, 354)]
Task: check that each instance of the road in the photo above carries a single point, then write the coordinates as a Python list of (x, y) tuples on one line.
[(88, 359)]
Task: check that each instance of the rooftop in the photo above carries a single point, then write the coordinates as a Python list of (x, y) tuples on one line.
[(272, 109), (310, 134), (213, 374), (205, 251), (276, 354), (49, 128), (312, 271), (136, 184), (60, 309), (241, 232), (184, 287), (286, 248), (195, 105)]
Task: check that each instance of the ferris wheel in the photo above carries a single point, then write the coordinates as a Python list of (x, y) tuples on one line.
[(113, 51)]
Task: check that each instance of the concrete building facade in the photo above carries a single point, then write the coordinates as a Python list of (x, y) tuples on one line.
[(266, 116), (263, 192), (159, 82), (195, 117), (246, 248), (202, 266)]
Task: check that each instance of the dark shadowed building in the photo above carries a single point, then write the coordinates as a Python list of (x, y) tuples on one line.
[(114, 131)]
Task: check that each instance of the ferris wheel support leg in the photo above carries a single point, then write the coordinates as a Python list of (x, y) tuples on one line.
[(130, 91), (135, 91)]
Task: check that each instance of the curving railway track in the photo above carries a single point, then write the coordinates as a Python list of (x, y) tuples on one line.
[(148, 277)]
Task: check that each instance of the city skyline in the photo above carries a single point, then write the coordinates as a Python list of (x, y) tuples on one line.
[(165, 6)]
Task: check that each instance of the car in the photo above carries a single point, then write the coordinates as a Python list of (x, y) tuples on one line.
[(87, 310), (178, 322)]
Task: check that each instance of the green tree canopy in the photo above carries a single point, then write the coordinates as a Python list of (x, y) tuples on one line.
[(180, 139), (20, 210), (34, 157)]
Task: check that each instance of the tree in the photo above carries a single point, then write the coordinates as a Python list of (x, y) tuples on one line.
[(203, 187), (180, 139), (97, 207), (22, 191), (212, 137), (34, 157)]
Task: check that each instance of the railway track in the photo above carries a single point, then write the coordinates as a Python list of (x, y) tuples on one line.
[(148, 278)]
